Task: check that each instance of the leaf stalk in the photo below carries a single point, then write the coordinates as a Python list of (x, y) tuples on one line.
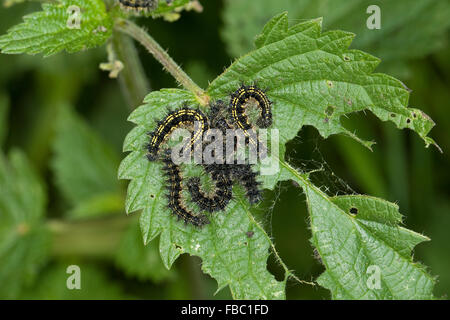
[(140, 35)]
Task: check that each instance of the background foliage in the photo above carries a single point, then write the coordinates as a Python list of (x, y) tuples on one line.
[(68, 118)]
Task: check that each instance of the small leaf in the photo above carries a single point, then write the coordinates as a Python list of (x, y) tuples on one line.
[(353, 234), (85, 167), (71, 25), (24, 240)]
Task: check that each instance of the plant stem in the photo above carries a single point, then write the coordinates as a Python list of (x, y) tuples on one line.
[(92, 237), (161, 55), (132, 79)]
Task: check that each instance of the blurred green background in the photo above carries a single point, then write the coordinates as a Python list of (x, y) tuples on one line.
[(63, 121)]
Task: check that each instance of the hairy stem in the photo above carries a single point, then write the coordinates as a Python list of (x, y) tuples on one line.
[(132, 79), (161, 55)]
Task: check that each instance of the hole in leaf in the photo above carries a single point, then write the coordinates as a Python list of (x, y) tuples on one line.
[(354, 211), (393, 115), (330, 110), (408, 120)]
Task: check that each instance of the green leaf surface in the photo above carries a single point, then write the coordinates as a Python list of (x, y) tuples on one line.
[(348, 245), (140, 260), (23, 238), (393, 42), (313, 79), (355, 233), (85, 167), (51, 30)]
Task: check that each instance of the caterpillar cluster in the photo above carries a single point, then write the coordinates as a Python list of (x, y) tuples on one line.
[(141, 5), (223, 118)]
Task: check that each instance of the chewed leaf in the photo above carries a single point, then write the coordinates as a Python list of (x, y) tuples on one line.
[(314, 79), (367, 255)]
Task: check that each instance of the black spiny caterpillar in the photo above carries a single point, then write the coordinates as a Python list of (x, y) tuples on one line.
[(176, 204), (176, 119)]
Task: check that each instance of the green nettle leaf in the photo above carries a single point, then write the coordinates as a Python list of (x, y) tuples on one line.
[(23, 238), (367, 255), (70, 25), (374, 232), (313, 79), (85, 167), (140, 260)]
